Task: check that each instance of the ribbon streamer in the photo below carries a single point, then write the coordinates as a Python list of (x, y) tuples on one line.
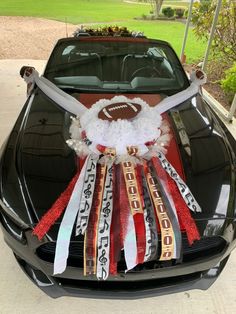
[(130, 245), (183, 188), (115, 243), (160, 181), (72, 105), (87, 195), (104, 227), (132, 188), (64, 234), (139, 221), (128, 236), (167, 234), (150, 225), (61, 98), (91, 234)]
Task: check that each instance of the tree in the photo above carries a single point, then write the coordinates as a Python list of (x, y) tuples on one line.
[(224, 43), (157, 6)]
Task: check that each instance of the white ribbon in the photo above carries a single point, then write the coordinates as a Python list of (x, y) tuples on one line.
[(183, 188), (72, 105), (66, 227), (86, 200), (63, 99), (130, 244), (104, 227), (176, 99)]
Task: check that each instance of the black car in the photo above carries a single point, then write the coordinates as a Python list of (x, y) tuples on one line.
[(38, 161)]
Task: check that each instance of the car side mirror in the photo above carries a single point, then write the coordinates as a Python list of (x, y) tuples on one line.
[(26, 70)]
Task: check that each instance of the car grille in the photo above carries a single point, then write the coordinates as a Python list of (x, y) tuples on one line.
[(204, 248), (128, 286)]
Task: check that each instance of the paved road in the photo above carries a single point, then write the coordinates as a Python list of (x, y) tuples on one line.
[(19, 296)]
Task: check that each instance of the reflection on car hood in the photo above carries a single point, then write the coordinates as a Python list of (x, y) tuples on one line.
[(38, 164)]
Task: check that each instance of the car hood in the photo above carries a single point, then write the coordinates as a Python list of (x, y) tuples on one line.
[(37, 164)]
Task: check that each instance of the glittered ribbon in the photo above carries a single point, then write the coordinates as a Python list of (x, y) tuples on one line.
[(186, 221), (141, 236), (56, 210), (115, 242)]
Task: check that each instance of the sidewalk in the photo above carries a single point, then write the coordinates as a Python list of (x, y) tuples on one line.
[(18, 295)]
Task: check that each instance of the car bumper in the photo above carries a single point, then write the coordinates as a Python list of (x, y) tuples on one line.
[(197, 274)]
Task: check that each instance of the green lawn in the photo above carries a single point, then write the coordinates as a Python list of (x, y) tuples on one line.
[(173, 32), (175, 3), (107, 11), (76, 11)]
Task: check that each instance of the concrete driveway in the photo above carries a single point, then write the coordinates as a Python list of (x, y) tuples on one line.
[(17, 293)]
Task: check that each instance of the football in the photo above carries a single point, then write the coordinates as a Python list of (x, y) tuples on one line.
[(120, 110)]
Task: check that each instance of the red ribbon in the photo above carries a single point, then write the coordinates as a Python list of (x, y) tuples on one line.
[(90, 244), (115, 238), (186, 221), (56, 210), (139, 221)]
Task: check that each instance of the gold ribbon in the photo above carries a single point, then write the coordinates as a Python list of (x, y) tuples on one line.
[(167, 233), (93, 267), (132, 187)]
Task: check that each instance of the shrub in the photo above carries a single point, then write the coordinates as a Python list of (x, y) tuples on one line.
[(229, 83), (179, 12), (169, 12), (186, 13)]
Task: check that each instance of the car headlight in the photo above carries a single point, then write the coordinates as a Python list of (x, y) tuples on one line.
[(11, 213)]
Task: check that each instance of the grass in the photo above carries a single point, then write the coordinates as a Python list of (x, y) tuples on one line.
[(111, 12), (76, 11), (174, 4), (173, 32)]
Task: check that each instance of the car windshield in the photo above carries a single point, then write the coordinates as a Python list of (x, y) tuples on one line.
[(116, 66)]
